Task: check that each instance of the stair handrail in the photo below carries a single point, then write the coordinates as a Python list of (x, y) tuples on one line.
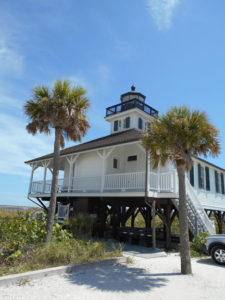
[(198, 207)]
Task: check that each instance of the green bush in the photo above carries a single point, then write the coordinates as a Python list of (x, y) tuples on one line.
[(197, 244), (22, 246), (19, 234), (82, 225)]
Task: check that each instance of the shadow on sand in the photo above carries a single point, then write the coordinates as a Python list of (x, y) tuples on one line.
[(119, 278), (209, 262)]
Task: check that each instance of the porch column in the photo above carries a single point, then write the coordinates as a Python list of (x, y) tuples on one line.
[(104, 155), (71, 161), (103, 172), (147, 169), (158, 172), (34, 167), (149, 172), (45, 165), (146, 176)]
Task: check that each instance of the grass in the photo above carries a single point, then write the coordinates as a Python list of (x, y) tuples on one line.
[(58, 253), (129, 260), (7, 213)]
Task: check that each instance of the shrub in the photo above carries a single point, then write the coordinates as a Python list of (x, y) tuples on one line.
[(18, 234), (197, 244), (82, 225), (22, 246)]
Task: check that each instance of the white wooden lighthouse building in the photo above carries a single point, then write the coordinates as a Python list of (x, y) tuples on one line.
[(107, 175)]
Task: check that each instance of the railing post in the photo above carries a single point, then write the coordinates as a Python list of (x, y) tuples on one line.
[(34, 167)]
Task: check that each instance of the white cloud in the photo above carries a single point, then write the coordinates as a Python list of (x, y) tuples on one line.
[(18, 146), (162, 12), (10, 61)]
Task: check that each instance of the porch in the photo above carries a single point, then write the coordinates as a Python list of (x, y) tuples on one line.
[(122, 183)]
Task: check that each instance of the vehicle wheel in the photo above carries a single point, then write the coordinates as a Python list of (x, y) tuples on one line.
[(218, 254)]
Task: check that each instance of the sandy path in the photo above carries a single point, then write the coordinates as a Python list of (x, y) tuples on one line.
[(155, 278)]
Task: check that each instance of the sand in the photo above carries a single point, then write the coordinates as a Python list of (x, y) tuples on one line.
[(146, 278)]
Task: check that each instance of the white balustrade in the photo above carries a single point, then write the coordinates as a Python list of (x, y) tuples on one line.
[(134, 181), (86, 184), (166, 182), (125, 181)]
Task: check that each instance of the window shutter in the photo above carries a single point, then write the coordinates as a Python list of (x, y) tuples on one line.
[(222, 183), (140, 123), (127, 122), (116, 125), (200, 183), (217, 182), (207, 179), (192, 180)]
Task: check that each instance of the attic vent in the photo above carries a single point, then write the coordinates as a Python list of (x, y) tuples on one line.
[(132, 158)]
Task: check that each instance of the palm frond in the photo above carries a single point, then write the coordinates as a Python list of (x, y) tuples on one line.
[(179, 134), (63, 107)]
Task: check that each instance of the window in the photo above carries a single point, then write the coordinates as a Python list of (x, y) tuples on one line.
[(222, 183), (207, 178), (192, 179), (147, 125), (115, 163), (200, 176), (116, 125), (140, 123), (127, 122), (217, 182), (132, 158)]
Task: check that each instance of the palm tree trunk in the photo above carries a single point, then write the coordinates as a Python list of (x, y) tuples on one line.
[(183, 223), (54, 187)]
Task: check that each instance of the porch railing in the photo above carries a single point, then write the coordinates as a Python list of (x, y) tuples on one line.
[(122, 182)]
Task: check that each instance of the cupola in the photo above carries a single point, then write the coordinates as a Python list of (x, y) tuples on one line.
[(132, 112)]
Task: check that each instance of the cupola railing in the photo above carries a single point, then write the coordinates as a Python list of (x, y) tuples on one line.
[(134, 103)]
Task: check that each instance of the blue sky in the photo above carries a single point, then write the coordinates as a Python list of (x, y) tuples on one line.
[(172, 50)]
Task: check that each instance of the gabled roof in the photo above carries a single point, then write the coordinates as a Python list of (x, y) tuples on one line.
[(123, 137)]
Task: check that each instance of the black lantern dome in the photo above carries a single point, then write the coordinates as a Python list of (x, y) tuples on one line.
[(132, 95)]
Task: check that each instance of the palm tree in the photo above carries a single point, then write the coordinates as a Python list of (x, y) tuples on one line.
[(62, 109), (177, 136)]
